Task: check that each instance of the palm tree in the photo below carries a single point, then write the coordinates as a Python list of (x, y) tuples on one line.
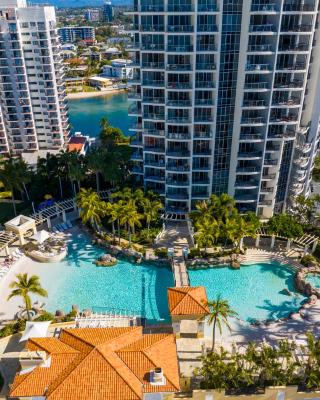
[(97, 163), (92, 208), (131, 217), (207, 232), (24, 286), (219, 312), (77, 171), (10, 176), (151, 209)]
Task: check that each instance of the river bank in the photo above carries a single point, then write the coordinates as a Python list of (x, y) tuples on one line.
[(98, 93)]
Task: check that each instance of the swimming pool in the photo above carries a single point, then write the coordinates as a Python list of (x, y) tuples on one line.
[(141, 288), (254, 291), (314, 279)]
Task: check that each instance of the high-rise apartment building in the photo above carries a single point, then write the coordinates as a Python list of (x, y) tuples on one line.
[(72, 34), (108, 12), (92, 15), (33, 108), (225, 99)]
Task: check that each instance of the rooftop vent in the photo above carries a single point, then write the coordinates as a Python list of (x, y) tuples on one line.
[(32, 359), (157, 377)]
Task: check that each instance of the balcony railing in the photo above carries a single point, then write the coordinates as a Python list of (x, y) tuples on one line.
[(205, 66), (179, 120), (297, 28), (289, 84), (204, 167), (180, 7), (175, 182), (176, 48), (154, 149), (156, 116), (179, 103), (207, 28), (179, 136), (292, 67), (264, 7), (202, 135), (178, 168), (249, 183), (178, 153), (152, 8), (154, 132), (205, 84), (207, 7), (270, 162), (152, 46), (156, 100), (203, 118), (158, 178), (284, 118), (252, 137), (206, 47), (260, 48), (204, 102), (285, 102), (133, 46), (202, 152), (180, 28), (256, 85), (179, 67), (153, 65), (254, 103), (298, 7), (177, 195), (153, 163), (268, 176), (136, 156), (179, 85), (151, 28), (262, 28), (250, 154), (149, 82), (258, 67), (291, 47), (253, 120)]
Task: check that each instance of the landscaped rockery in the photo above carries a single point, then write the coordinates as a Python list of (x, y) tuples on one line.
[(106, 261)]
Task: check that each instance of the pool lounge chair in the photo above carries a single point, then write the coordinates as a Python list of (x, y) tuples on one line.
[(69, 224), (54, 229), (64, 226)]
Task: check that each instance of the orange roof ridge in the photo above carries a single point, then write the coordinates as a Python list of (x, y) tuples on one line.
[(191, 301)]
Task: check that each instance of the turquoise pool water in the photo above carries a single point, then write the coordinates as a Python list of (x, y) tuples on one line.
[(85, 114), (314, 279), (254, 291), (141, 288)]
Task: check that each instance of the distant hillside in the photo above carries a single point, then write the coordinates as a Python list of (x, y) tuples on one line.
[(81, 3)]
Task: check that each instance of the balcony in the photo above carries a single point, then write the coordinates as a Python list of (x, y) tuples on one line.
[(151, 8), (248, 171), (154, 149), (207, 28), (263, 28), (202, 135), (179, 103), (177, 195), (205, 85), (153, 100), (206, 47), (292, 67), (270, 162), (178, 153), (258, 68), (298, 7), (153, 65), (136, 156), (179, 120), (266, 190), (203, 118), (180, 49), (295, 48), (155, 83), (180, 28), (253, 121), (179, 85), (260, 48), (251, 138), (136, 142), (296, 84), (179, 67), (202, 152), (152, 28), (133, 46), (249, 184), (178, 168), (205, 66), (179, 136), (286, 102), (266, 203), (254, 103), (178, 183), (208, 7), (264, 8), (297, 28), (152, 46), (257, 85), (250, 155), (245, 198), (154, 116), (268, 177), (154, 163), (180, 8), (285, 119), (204, 102), (136, 126), (153, 132), (156, 178)]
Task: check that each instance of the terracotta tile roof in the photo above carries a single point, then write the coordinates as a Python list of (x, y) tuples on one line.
[(75, 146), (187, 300), (100, 363)]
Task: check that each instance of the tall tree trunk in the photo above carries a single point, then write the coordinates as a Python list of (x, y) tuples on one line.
[(214, 333), (97, 182), (13, 203), (72, 189), (129, 237), (119, 232), (26, 191), (60, 185), (113, 233), (79, 185)]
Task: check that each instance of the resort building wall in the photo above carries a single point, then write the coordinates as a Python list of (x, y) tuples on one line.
[(33, 113), (225, 99)]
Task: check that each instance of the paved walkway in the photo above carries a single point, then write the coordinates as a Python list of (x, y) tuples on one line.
[(176, 235)]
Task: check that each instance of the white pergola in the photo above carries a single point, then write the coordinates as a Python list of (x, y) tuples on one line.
[(20, 226)]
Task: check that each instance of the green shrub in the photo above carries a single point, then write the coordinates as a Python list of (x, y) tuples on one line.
[(13, 328), (162, 253), (194, 253), (46, 316), (305, 260)]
